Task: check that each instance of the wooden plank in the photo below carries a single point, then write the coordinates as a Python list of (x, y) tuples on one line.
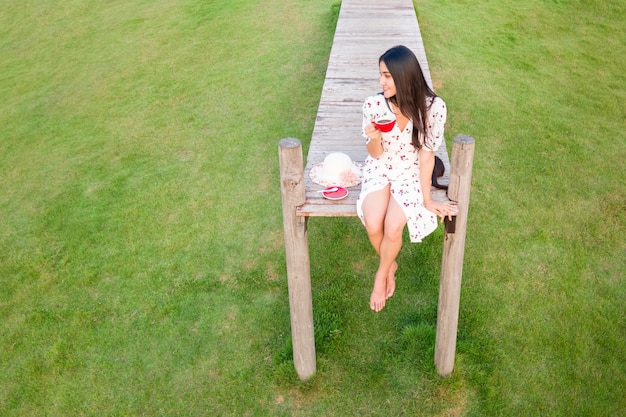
[(365, 30)]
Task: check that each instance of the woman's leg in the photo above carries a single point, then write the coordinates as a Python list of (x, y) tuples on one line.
[(374, 208), (390, 245), (374, 211)]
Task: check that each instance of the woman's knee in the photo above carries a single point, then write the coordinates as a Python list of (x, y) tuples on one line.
[(393, 228), (373, 224), (395, 220), (394, 224), (375, 208)]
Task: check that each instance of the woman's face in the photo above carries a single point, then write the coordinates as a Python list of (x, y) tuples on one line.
[(386, 81)]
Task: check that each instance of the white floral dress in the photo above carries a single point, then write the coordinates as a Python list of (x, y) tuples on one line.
[(399, 164)]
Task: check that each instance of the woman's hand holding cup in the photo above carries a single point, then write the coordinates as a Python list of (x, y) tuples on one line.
[(372, 132)]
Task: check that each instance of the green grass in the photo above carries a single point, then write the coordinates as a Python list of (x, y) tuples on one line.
[(142, 268), (539, 85)]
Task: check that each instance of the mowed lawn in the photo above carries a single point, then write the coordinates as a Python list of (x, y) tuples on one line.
[(142, 267)]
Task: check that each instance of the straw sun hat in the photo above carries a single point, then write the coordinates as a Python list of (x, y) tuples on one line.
[(338, 169)]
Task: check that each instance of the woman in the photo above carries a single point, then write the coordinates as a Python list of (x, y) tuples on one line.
[(399, 162)]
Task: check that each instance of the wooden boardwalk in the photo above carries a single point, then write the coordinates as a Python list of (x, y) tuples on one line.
[(365, 30)]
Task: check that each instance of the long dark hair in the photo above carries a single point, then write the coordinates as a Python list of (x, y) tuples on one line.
[(411, 89)]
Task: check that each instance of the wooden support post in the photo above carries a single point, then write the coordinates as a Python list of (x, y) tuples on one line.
[(297, 249), (453, 251)]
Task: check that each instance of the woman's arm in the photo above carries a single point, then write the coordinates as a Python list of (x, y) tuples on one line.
[(374, 144), (372, 136), (427, 164)]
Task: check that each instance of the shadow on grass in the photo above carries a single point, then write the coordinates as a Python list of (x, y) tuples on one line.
[(346, 330)]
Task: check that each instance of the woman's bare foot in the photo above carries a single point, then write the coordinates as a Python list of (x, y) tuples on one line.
[(378, 297), (391, 279)]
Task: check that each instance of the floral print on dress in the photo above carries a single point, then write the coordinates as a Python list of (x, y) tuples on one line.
[(399, 164)]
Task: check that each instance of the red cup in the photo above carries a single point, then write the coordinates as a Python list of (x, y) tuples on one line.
[(385, 125)]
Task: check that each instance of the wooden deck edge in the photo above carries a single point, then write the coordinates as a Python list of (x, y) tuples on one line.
[(347, 208)]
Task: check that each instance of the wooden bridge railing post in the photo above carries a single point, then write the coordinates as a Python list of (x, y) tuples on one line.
[(297, 252), (453, 252)]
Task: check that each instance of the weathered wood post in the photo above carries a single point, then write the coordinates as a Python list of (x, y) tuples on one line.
[(453, 251), (297, 250)]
